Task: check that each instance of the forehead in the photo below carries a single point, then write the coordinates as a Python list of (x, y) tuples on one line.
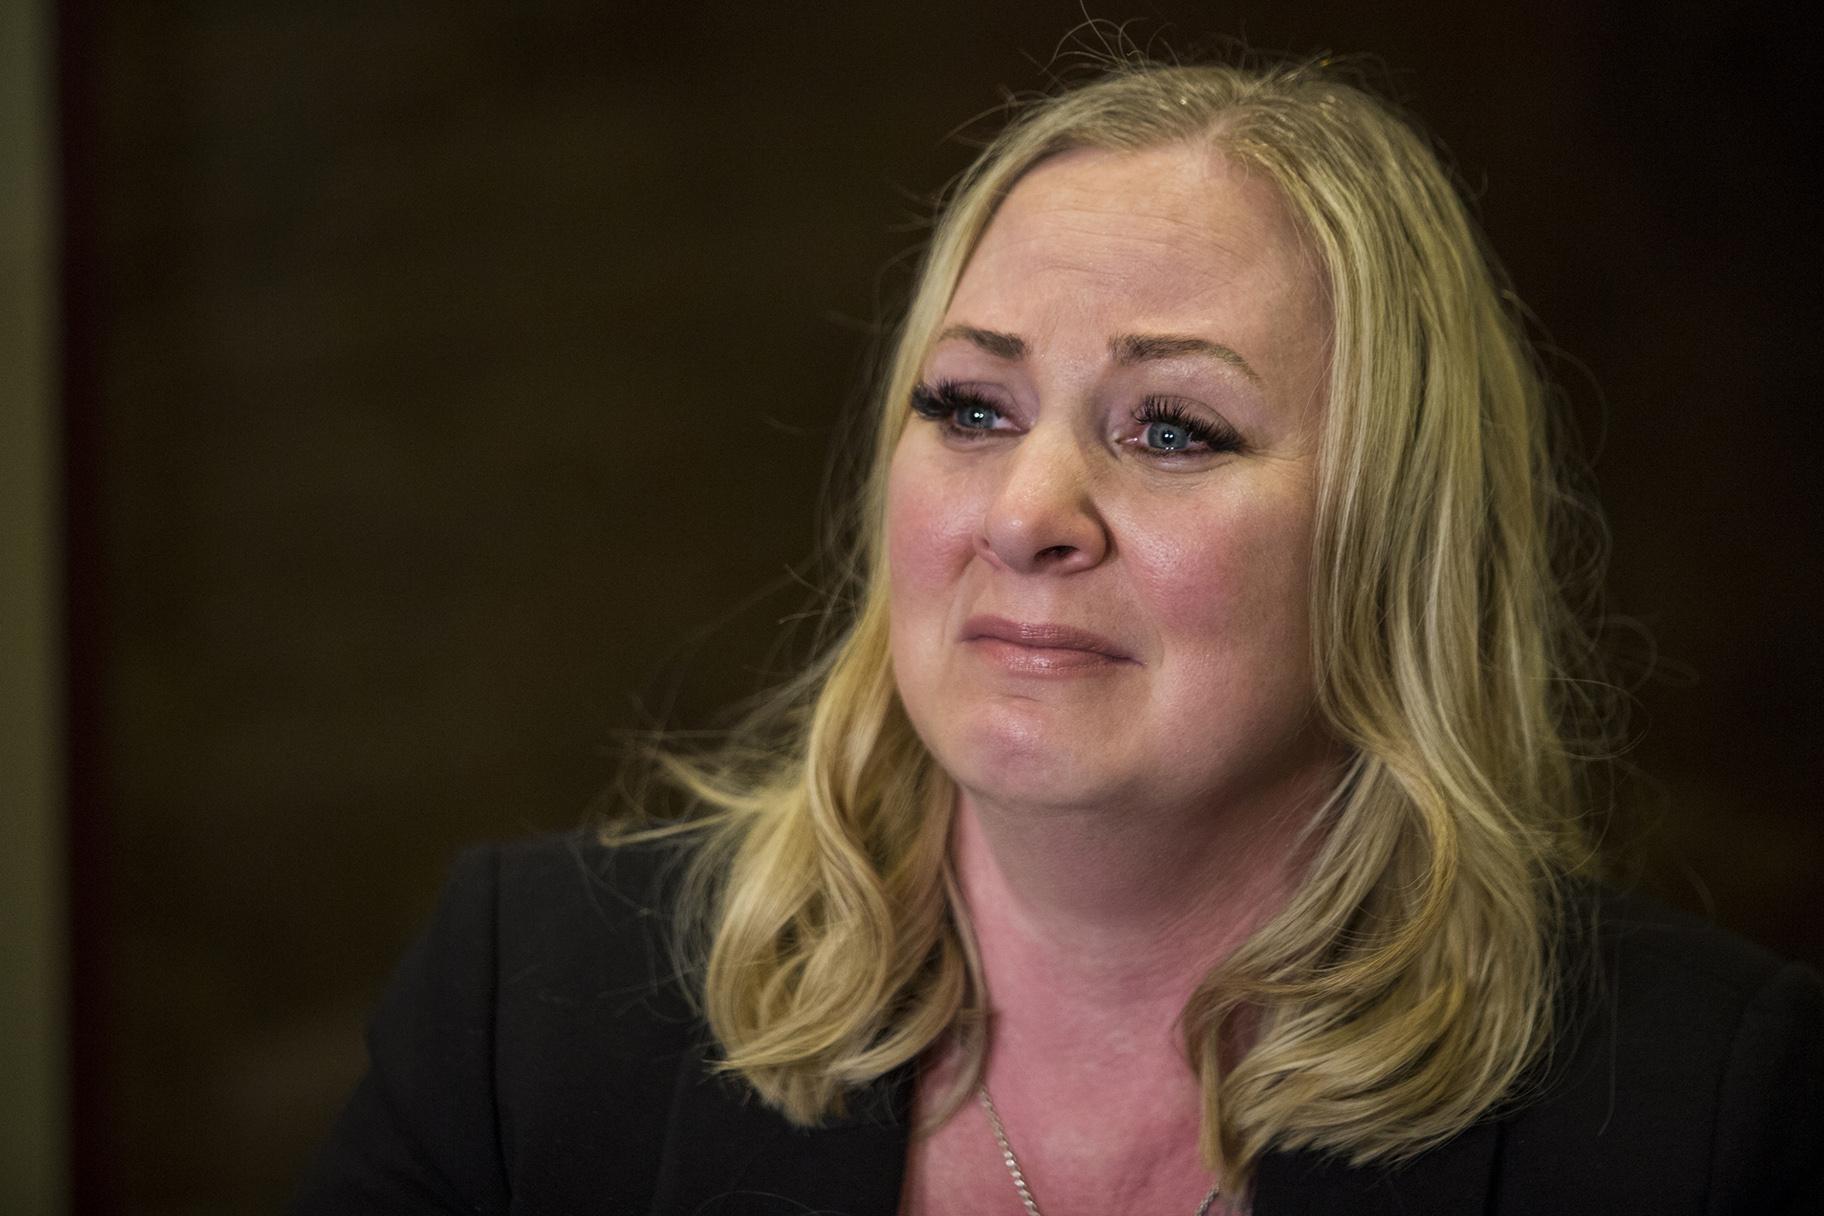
[(1181, 238)]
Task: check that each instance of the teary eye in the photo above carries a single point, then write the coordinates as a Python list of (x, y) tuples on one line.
[(960, 411), (1168, 436), (1170, 429)]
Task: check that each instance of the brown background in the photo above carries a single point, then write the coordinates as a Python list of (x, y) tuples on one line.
[(440, 378)]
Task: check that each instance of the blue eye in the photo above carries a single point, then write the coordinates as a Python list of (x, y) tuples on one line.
[(1169, 430), (962, 413), (973, 416), (1167, 436), (1172, 430)]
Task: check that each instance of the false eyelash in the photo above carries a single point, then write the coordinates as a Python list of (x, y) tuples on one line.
[(939, 404), (1217, 437)]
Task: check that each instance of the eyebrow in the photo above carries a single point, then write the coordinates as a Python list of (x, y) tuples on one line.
[(1139, 348), (1127, 349), (1001, 346)]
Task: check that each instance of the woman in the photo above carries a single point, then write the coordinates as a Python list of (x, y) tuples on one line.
[(1188, 818)]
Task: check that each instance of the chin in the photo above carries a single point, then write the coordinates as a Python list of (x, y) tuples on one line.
[(1015, 758)]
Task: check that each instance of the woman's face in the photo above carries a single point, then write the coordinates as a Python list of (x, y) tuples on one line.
[(1099, 516)]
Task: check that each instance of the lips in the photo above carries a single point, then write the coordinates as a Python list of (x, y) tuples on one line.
[(1041, 646)]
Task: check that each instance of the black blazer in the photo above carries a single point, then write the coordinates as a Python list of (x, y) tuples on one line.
[(534, 1053)]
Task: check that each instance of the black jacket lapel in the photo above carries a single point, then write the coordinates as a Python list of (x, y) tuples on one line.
[(727, 1154), (1453, 1179)]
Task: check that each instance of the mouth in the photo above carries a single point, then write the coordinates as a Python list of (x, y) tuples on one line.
[(1038, 648)]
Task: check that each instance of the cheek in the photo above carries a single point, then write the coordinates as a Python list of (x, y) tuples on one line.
[(929, 538), (927, 553), (1234, 588)]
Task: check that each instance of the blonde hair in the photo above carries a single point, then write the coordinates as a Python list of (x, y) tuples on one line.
[(1409, 983)]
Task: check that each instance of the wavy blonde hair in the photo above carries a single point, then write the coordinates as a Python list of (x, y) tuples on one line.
[(1409, 983)]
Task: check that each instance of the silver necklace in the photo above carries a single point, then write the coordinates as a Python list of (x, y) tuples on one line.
[(1019, 1176)]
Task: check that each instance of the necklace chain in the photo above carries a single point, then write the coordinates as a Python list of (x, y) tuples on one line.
[(1019, 1176)]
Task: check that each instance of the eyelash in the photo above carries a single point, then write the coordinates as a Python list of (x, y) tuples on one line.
[(941, 403)]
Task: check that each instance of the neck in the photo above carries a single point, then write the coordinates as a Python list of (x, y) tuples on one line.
[(1114, 915), (1094, 926)]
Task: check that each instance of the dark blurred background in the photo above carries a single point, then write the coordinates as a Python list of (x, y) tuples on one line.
[(445, 389)]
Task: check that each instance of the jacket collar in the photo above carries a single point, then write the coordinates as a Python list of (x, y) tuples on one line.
[(1454, 1178), (727, 1154)]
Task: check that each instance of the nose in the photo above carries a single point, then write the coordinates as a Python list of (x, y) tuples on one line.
[(1042, 517)]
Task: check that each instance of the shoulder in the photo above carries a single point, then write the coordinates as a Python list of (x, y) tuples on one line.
[(553, 926), (589, 951), (588, 977), (1687, 1079), (569, 910), (1655, 948), (1688, 1073), (542, 1014)]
